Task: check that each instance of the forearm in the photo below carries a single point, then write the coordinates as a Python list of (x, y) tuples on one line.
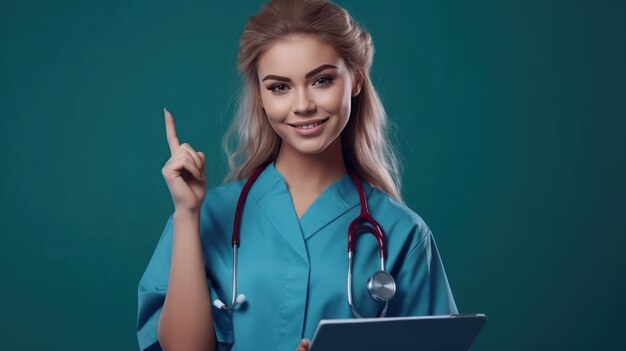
[(186, 322)]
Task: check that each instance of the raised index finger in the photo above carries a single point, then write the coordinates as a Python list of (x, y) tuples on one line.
[(170, 131)]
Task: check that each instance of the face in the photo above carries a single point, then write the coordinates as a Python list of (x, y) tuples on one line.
[(306, 91)]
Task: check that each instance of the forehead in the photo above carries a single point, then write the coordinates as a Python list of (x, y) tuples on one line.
[(296, 55)]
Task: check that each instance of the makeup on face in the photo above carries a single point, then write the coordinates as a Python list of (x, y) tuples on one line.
[(305, 91)]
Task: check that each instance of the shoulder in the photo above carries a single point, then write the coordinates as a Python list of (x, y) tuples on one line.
[(396, 218), (220, 202), (223, 193)]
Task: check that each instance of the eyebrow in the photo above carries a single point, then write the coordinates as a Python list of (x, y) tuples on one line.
[(308, 75)]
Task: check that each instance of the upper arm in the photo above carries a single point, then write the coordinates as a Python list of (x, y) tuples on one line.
[(152, 289), (422, 285)]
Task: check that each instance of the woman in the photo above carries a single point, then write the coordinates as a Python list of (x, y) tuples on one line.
[(308, 116)]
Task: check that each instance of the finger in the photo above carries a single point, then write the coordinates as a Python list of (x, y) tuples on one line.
[(190, 165), (196, 158), (201, 154), (185, 162), (304, 345), (193, 156), (170, 131)]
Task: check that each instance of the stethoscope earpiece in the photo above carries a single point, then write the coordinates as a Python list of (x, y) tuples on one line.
[(219, 304), (240, 300)]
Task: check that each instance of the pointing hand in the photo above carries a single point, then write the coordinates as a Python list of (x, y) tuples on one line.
[(184, 172)]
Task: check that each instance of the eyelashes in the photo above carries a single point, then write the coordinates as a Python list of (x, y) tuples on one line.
[(326, 80), (273, 88)]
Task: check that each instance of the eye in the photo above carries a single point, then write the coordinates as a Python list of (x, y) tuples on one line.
[(278, 88), (325, 80)]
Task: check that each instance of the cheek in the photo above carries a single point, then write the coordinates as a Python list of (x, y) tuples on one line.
[(276, 108), (337, 101)]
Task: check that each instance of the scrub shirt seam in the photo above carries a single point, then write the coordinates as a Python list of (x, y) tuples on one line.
[(341, 197), (303, 259), (347, 207), (269, 190), (419, 243), (309, 235), (367, 190)]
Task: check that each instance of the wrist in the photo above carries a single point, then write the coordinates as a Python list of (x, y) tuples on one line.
[(186, 214)]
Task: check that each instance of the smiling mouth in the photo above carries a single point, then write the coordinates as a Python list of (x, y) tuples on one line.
[(310, 125)]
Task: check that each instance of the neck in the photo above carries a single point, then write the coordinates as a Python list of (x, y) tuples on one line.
[(311, 172)]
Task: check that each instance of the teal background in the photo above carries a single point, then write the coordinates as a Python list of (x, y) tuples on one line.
[(510, 118)]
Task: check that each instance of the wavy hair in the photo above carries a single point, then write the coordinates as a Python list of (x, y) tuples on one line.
[(251, 142)]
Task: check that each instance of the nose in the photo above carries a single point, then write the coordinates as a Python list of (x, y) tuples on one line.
[(304, 104)]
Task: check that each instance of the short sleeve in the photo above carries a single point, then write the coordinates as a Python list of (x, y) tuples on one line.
[(151, 297), (423, 287)]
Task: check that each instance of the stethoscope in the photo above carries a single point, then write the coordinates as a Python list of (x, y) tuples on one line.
[(381, 285)]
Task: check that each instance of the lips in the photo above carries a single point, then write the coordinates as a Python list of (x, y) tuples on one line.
[(308, 124), (309, 128)]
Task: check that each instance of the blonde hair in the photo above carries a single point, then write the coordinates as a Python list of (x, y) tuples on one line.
[(364, 139)]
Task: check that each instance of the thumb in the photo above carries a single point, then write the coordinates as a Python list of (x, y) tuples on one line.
[(203, 157), (203, 170), (304, 345)]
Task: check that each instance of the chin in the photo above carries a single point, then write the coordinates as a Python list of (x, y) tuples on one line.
[(308, 147), (312, 150)]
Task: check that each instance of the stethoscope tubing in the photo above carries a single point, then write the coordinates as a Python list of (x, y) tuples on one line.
[(364, 223), (354, 311), (235, 241), (233, 301)]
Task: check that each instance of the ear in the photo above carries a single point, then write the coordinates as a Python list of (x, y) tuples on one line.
[(358, 82)]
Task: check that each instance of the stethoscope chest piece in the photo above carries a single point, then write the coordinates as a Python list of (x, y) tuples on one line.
[(381, 286)]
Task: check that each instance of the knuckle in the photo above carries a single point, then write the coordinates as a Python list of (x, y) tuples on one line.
[(180, 152)]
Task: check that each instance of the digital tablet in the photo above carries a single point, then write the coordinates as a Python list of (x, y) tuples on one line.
[(425, 333)]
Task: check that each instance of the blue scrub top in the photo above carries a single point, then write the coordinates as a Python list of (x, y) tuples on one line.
[(294, 271)]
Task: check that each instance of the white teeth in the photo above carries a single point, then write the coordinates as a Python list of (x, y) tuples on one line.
[(309, 126)]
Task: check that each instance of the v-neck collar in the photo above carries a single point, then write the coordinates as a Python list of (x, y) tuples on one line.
[(271, 193), (337, 199), (274, 201)]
